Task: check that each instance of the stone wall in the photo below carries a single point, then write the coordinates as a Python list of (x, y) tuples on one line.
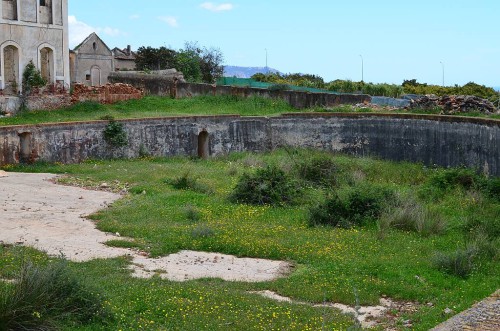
[(164, 86), (432, 140)]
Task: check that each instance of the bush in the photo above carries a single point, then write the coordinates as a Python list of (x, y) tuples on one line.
[(202, 231), (192, 213), (492, 188), (456, 177), (360, 205), (318, 170), (115, 135), (32, 78), (459, 263), (187, 182), (42, 296), (482, 230), (412, 216), (267, 186)]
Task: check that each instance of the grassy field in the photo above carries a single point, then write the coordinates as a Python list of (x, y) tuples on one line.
[(154, 106), (332, 263)]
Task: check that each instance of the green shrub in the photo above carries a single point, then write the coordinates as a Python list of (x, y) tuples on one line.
[(202, 231), (192, 213), (459, 263), (410, 215), (482, 230), (188, 182), (267, 186), (455, 177), (361, 204), (32, 78), (318, 170), (42, 296), (115, 135), (487, 224), (492, 188)]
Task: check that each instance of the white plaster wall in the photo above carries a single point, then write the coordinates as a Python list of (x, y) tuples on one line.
[(36, 28)]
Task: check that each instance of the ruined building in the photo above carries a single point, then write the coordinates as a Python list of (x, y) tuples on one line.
[(33, 30), (91, 62), (124, 59)]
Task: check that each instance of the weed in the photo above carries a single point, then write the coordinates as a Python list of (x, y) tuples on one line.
[(267, 186), (188, 182), (41, 296), (192, 213), (202, 231), (459, 262), (319, 170), (115, 135), (143, 151), (360, 205), (410, 215)]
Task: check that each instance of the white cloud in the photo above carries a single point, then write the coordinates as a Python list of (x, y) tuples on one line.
[(217, 7), (78, 31), (134, 17), (170, 20)]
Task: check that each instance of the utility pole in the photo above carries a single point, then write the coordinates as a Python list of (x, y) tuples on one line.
[(267, 68), (362, 68)]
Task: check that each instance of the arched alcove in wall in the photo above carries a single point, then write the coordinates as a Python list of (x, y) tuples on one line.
[(203, 145), (10, 69), (25, 147), (47, 64)]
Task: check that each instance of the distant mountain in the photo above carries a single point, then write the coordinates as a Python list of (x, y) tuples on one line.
[(246, 72)]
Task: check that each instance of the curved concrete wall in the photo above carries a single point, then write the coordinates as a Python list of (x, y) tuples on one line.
[(432, 140)]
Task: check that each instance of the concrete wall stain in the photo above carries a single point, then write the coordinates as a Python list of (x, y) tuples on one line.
[(432, 140)]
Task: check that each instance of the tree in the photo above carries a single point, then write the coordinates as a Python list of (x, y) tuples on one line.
[(189, 64), (195, 62), (210, 61), (32, 78), (149, 58)]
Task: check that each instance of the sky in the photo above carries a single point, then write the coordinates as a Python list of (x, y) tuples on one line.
[(384, 41)]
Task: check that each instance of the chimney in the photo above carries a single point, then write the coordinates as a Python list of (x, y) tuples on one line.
[(128, 49)]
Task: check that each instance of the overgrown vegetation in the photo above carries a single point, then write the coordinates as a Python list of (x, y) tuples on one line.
[(115, 135), (267, 186), (41, 297), (414, 260), (32, 78), (410, 86), (359, 205), (155, 106)]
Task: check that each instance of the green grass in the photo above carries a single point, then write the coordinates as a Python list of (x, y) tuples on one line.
[(154, 106), (330, 262)]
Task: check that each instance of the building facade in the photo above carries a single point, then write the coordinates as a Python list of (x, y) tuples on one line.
[(33, 30), (124, 59), (91, 62)]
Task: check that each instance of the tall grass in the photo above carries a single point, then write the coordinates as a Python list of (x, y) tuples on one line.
[(411, 215), (40, 297)]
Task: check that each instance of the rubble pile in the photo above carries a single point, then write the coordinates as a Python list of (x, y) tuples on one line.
[(109, 93), (454, 104)]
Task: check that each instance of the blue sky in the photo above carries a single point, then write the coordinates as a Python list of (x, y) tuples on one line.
[(397, 39)]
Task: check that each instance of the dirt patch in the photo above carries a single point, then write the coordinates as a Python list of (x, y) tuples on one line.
[(384, 314), (52, 218)]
